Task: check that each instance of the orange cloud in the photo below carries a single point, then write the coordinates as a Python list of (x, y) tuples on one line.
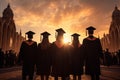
[(72, 15)]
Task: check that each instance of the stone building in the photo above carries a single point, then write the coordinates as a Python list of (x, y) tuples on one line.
[(9, 38), (112, 40)]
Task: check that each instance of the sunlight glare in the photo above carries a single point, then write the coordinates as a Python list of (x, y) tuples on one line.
[(66, 40)]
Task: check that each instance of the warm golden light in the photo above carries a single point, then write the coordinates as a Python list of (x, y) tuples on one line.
[(66, 40), (73, 16)]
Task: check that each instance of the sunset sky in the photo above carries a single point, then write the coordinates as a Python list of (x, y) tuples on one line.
[(71, 15)]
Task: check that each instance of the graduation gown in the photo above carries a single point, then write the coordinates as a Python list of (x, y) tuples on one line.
[(92, 52), (43, 61), (77, 60), (27, 56), (60, 60)]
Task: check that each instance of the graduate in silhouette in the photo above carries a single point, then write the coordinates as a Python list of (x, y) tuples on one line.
[(76, 57), (27, 56), (60, 57), (92, 51), (44, 57)]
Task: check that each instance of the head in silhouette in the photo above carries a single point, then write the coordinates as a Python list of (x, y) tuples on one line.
[(59, 36), (45, 40), (119, 50), (30, 35), (45, 36), (75, 41), (107, 50), (90, 31), (10, 51)]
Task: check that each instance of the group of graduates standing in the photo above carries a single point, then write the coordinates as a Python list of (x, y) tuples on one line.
[(61, 60)]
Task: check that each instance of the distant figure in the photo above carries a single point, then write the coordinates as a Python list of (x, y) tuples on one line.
[(27, 56), (108, 58), (103, 53), (11, 58), (1, 58), (114, 58), (93, 50), (118, 54), (6, 59), (44, 57), (60, 57), (76, 57)]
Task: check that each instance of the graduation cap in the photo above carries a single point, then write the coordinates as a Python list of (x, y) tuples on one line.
[(75, 35), (45, 35), (30, 34), (90, 30), (60, 31)]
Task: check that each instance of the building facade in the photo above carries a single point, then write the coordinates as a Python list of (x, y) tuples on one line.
[(112, 40), (9, 38)]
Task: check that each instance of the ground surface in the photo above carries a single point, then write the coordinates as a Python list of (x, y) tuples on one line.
[(14, 73)]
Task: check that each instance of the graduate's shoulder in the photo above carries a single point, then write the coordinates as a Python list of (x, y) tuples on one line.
[(87, 38), (34, 42)]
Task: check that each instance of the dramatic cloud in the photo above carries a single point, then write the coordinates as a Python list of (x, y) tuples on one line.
[(72, 15)]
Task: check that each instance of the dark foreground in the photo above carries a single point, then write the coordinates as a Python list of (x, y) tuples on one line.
[(14, 73)]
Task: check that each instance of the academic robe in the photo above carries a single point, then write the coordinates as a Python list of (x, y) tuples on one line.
[(27, 56), (60, 60), (77, 60), (43, 61), (92, 52)]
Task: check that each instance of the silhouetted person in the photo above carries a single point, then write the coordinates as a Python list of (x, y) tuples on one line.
[(11, 58), (15, 58), (1, 58), (76, 57), (6, 59), (103, 57), (44, 57), (108, 58), (60, 57), (114, 59), (27, 56), (118, 54), (93, 50)]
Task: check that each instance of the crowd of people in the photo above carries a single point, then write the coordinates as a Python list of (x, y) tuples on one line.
[(110, 58), (7, 59), (61, 60)]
